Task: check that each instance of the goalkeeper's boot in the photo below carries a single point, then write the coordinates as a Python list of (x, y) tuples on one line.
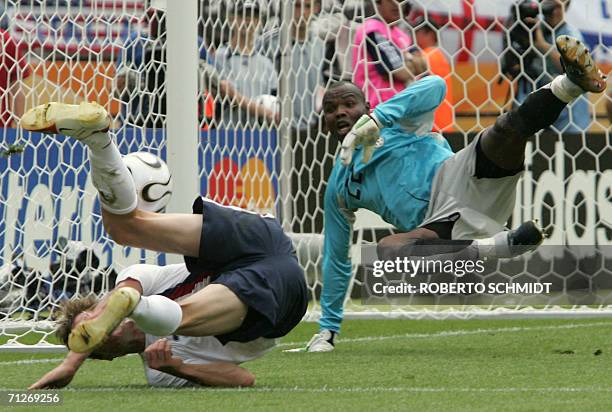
[(512, 243), (91, 333), (579, 65), (76, 120), (322, 342), (525, 238)]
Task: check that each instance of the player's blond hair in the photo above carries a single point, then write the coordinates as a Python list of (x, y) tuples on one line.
[(69, 310)]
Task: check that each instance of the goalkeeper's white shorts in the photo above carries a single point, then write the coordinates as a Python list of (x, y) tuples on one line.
[(482, 206)]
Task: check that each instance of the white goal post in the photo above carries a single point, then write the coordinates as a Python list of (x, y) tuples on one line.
[(156, 65)]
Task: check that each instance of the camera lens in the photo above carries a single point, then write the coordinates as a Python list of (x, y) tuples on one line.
[(548, 8), (528, 8)]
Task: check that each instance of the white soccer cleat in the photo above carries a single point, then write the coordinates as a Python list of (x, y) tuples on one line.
[(321, 342), (579, 66), (91, 333), (78, 121)]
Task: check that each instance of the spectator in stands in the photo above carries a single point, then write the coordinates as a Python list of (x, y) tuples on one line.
[(575, 118), (246, 73), (141, 69), (609, 104), (382, 63), (426, 35), (13, 70), (335, 28), (305, 58)]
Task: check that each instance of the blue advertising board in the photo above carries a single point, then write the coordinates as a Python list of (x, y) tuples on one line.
[(46, 191)]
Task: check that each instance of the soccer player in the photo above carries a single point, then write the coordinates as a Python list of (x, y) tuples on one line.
[(415, 182), (205, 352), (255, 286)]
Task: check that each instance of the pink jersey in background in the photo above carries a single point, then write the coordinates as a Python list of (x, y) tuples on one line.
[(379, 87)]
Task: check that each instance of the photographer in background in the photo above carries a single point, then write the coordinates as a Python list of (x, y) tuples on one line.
[(532, 41)]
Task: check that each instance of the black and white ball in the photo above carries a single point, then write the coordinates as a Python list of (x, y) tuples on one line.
[(152, 179)]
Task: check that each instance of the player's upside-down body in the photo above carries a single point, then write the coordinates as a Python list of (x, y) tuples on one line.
[(241, 286)]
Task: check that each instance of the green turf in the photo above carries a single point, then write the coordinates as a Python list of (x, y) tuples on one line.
[(518, 365)]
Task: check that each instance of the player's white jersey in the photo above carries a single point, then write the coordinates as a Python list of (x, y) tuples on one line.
[(172, 281), (175, 282), (202, 350)]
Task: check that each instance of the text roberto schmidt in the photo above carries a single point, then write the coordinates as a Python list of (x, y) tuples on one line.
[(498, 288), (383, 284)]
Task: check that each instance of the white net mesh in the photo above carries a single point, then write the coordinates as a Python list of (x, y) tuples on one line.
[(52, 243)]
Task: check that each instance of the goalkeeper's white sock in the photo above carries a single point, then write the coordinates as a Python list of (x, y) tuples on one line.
[(494, 247), (564, 89), (157, 315), (110, 176)]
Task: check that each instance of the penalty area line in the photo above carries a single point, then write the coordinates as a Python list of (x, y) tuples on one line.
[(460, 332)]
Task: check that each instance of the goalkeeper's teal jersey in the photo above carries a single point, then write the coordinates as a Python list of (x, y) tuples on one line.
[(396, 183)]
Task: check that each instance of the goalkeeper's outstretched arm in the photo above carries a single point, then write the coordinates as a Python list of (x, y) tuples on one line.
[(420, 98), (336, 260)]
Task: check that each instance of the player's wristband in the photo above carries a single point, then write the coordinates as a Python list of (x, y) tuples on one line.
[(375, 119)]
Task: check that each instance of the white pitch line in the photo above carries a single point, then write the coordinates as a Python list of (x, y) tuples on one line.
[(30, 361), (326, 389), (42, 360), (445, 333), (461, 332)]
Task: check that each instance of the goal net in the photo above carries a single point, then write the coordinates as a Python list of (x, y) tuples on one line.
[(272, 154)]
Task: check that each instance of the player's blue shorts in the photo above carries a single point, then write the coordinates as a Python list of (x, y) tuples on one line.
[(253, 257)]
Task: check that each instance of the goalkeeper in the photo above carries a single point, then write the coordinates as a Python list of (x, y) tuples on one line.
[(392, 165)]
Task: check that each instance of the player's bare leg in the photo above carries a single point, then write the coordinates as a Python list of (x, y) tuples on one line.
[(89, 123), (504, 143), (214, 310), (177, 233)]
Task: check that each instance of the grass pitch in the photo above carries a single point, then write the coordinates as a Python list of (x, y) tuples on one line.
[(475, 365)]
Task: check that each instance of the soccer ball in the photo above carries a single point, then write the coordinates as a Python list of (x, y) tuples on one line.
[(269, 102), (152, 179)]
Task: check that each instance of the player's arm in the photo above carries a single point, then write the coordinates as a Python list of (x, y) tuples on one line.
[(159, 357), (421, 97), (336, 260), (61, 375)]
